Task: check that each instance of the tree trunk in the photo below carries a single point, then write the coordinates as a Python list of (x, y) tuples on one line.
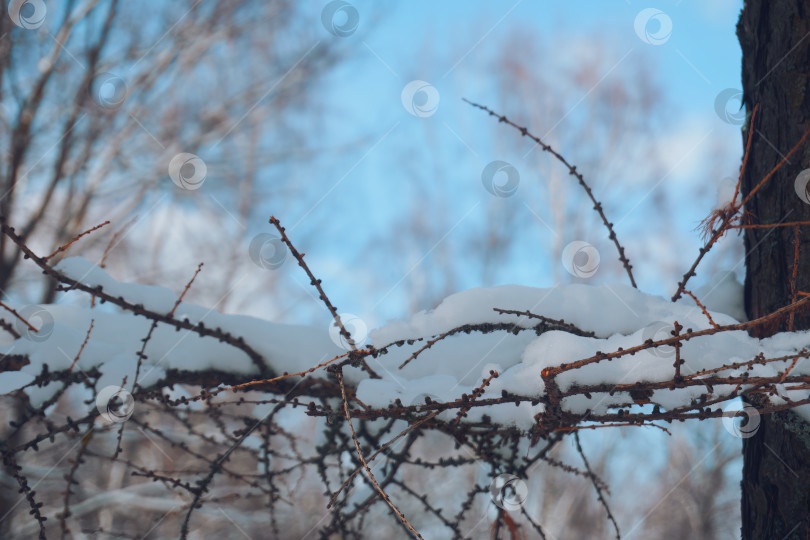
[(775, 40)]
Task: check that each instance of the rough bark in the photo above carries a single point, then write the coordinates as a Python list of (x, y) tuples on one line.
[(775, 40)]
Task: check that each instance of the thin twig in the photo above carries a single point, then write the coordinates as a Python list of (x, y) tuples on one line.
[(555, 370), (60, 249), (137, 309), (321, 294), (770, 225), (84, 343), (573, 171), (19, 317), (8, 327), (620, 424), (476, 393), (592, 476), (384, 447), (702, 308), (188, 286), (793, 276), (70, 477), (559, 323), (112, 243), (727, 215), (382, 493)]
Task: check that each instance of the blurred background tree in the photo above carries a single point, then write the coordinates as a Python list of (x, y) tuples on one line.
[(300, 115)]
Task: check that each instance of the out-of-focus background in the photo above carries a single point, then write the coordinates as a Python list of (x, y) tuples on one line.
[(346, 121)]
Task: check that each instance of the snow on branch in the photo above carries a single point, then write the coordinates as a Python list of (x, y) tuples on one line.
[(492, 378)]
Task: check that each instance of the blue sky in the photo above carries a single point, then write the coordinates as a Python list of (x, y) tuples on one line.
[(383, 156)]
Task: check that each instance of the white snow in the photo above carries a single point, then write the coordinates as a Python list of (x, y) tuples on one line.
[(154, 298), (619, 316), (723, 293)]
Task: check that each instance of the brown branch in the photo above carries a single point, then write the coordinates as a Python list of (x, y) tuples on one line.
[(62, 248), (726, 215), (678, 360), (567, 327), (137, 309), (730, 214), (593, 478), (770, 225), (362, 459), (84, 344), (745, 154), (622, 424), (188, 286), (19, 317), (703, 308), (773, 171), (759, 359), (599, 356), (793, 276), (476, 393), (8, 327), (70, 477), (573, 470), (572, 170), (321, 294), (242, 386), (384, 447), (115, 236)]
